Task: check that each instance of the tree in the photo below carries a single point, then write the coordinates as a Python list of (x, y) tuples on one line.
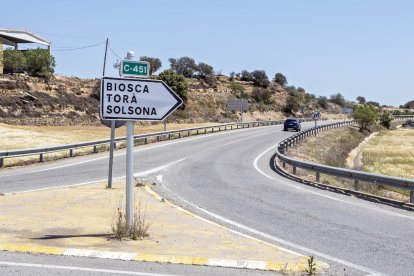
[(262, 95), (155, 63), (338, 99), (365, 115), (361, 99), (293, 101), (232, 75), (176, 82), (260, 78), (280, 79), (184, 66), (322, 102), (39, 62), (386, 119), (14, 60), (246, 76), (204, 70), (373, 103)]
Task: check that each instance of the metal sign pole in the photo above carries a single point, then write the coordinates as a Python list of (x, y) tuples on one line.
[(129, 175), (241, 109), (111, 154)]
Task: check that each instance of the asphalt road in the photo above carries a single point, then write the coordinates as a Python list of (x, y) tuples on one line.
[(227, 177)]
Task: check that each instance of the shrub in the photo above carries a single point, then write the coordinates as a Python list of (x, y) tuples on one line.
[(262, 95), (177, 83), (260, 78), (386, 119), (338, 99), (322, 102), (155, 63), (39, 62), (280, 79), (365, 115), (14, 60), (293, 102)]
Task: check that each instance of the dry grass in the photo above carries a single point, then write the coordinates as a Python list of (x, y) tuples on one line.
[(332, 147), (22, 137), (391, 153)]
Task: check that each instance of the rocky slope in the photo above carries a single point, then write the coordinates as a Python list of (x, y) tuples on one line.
[(72, 101)]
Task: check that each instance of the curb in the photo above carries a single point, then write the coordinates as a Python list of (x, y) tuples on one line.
[(143, 257)]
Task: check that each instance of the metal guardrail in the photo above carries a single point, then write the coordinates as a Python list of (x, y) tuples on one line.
[(165, 135), (378, 179)]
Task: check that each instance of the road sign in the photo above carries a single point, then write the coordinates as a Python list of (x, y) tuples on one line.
[(237, 105), (108, 123), (136, 99), (316, 115), (135, 68)]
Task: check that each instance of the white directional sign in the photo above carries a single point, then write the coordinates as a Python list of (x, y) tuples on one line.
[(136, 99)]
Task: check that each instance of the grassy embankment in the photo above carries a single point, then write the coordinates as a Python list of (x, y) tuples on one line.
[(23, 137), (391, 153), (333, 147)]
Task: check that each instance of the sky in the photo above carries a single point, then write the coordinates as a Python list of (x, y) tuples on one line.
[(353, 47)]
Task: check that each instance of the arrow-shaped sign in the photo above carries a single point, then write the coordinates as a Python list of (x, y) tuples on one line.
[(136, 99)]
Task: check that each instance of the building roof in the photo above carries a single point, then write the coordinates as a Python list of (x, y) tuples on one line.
[(13, 37)]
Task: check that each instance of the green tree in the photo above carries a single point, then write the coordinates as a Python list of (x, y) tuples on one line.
[(365, 115), (203, 70), (155, 63), (293, 101), (39, 62), (280, 79), (184, 66), (14, 60), (246, 76), (176, 82), (338, 99), (386, 119), (361, 99), (260, 78), (262, 95), (322, 102)]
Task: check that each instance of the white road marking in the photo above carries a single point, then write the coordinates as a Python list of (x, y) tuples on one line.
[(278, 240), (77, 268), (256, 166)]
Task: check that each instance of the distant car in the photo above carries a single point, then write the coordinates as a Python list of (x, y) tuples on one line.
[(292, 123)]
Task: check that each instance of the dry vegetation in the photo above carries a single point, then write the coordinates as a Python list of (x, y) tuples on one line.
[(332, 148), (391, 153)]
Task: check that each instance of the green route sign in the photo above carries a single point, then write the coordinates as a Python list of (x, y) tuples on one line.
[(135, 68)]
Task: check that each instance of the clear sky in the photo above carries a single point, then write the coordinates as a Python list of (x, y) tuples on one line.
[(354, 47)]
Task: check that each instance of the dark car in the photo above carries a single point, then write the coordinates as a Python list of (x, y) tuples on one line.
[(292, 123)]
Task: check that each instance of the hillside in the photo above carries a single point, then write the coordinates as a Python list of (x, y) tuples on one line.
[(72, 101)]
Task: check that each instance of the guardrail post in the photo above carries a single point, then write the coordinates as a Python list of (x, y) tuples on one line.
[(318, 177), (294, 170), (179, 134), (169, 136), (95, 150), (188, 133), (284, 164), (145, 140), (411, 196), (42, 159), (71, 152), (1, 162), (197, 131), (356, 185), (158, 138)]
